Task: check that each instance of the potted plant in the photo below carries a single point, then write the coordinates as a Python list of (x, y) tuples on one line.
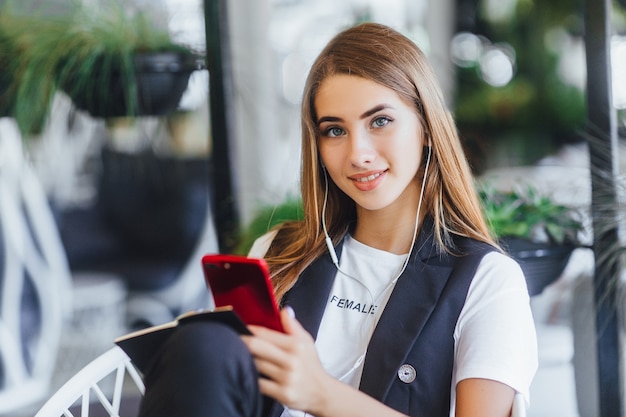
[(533, 229), (26, 86), (110, 61), (539, 233), (115, 63), (267, 217), (536, 231)]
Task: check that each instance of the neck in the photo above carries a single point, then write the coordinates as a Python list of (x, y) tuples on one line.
[(393, 227), (389, 231)]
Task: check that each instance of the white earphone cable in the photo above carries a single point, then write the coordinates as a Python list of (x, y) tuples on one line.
[(329, 242), (373, 300)]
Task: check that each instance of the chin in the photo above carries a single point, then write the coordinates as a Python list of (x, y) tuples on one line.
[(373, 205)]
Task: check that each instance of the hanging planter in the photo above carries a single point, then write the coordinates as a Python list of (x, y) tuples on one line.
[(118, 64), (539, 233), (111, 60), (542, 263), (151, 84)]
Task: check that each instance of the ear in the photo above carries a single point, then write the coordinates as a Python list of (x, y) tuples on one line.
[(428, 147)]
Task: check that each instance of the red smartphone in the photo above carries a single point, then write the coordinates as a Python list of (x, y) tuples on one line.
[(243, 283)]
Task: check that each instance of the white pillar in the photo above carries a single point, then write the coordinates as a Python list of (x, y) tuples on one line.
[(264, 169), (439, 24)]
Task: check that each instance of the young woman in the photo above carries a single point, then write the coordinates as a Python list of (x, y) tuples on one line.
[(397, 300)]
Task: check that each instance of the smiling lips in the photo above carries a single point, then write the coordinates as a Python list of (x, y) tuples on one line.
[(368, 178), (365, 182)]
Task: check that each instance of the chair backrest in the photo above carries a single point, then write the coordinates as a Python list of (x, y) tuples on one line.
[(113, 366), (35, 281), (116, 361)]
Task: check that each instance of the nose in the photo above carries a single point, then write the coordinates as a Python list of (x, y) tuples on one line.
[(362, 150)]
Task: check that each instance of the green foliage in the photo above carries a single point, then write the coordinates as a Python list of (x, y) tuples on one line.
[(80, 50), (494, 108), (101, 46), (537, 103), (28, 86), (266, 218), (528, 214), (523, 213)]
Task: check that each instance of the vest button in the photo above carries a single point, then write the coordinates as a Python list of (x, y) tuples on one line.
[(407, 373)]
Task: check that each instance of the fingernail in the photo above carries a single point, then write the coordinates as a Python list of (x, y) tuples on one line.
[(290, 311)]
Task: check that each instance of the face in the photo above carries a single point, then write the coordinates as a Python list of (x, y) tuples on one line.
[(370, 141)]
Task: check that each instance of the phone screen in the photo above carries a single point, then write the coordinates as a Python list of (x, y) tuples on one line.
[(244, 284)]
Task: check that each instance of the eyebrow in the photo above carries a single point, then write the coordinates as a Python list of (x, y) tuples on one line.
[(365, 115)]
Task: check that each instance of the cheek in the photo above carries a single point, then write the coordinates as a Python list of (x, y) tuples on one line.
[(410, 159), (332, 163), (328, 156), (413, 149)]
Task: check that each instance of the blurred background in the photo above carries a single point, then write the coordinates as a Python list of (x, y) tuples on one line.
[(121, 203)]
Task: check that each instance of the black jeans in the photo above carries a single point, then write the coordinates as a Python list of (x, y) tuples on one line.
[(203, 369)]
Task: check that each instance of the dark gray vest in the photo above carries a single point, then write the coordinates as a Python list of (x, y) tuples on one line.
[(411, 353)]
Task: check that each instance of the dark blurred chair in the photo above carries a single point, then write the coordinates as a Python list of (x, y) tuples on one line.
[(150, 226)]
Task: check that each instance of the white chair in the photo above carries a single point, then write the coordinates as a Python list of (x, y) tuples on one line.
[(94, 378), (116, 361), (32, 262)]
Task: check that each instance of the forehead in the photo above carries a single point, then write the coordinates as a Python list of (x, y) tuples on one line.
[(346, 94)]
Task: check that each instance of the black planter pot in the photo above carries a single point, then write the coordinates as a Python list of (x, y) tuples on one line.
[(154, 89), (156, 205), (542, 263)]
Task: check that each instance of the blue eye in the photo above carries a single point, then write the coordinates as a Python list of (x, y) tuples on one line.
[(381, 121), (334, 132)]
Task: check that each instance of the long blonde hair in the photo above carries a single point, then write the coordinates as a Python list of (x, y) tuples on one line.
[(378, 53)]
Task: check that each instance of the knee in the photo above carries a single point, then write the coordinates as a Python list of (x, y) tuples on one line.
[(200, 348), (202, 366), (206, 342)]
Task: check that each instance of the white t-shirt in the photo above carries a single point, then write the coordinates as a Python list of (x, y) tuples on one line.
[(494, 326)]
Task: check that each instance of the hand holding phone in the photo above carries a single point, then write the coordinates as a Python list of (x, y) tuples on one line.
[(243, 283)]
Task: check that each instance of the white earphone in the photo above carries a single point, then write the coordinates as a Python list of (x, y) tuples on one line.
[(329, 242)]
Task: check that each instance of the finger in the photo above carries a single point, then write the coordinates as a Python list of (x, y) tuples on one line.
[(270, 388), (270, 370), (264, 349), (288, 320), (282, 392), (280, 339)]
